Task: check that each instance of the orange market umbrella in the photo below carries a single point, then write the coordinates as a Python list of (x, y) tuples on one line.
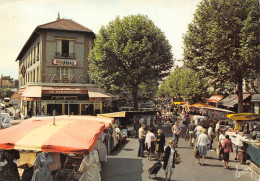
[(70, 134)]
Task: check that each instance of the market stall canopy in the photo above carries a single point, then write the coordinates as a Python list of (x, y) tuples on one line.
[(99, 95), (255, 98), (113, 115), (69, 134), (215, 98), (219, 109), (231, 100), (201, 105), (244, 117), (178, 102)]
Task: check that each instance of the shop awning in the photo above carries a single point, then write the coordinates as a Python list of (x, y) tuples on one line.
[(215, 98), (32, 93), (69, 134), (255, 98), (201, 105), (113, 115), (96, 94), (64, 90), (234, 100)]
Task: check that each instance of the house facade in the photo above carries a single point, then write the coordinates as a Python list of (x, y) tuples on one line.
[(53, 71)]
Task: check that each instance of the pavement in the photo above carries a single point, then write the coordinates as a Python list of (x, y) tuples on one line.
[(124, 165)]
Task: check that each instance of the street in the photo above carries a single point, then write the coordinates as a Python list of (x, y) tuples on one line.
[(124, 165)]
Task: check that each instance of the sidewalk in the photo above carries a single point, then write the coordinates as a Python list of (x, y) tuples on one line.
[(124, 165)]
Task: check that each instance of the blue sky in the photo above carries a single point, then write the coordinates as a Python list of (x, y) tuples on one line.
[(20, 17)]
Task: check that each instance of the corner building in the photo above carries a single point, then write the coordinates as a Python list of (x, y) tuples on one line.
[(53, 71)]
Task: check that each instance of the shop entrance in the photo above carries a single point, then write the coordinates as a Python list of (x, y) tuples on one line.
[(71, 109), (56, 107)]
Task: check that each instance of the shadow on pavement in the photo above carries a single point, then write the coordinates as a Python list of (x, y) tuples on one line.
[(116, 151), (122, 169)]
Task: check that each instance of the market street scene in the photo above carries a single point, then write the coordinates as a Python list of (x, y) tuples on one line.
[(130, 90)]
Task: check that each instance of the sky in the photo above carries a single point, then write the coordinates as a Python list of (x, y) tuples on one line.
[(20, 17)]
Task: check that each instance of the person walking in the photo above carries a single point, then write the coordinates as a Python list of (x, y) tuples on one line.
[(220, 149), (190, 131), (150, 141), (168, 160), (238, 143), (202, 145), (160, 142), (217, 130), (227, 146), (141, 136), (176, 130), (211, 135)]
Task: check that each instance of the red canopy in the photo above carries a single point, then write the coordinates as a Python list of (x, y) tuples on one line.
[(70, 134)]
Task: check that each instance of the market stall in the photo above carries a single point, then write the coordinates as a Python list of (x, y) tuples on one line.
[(70, 136), (249, 124)]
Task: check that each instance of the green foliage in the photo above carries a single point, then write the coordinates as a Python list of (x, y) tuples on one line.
[(129, 52), (184, 83), (223, 40)]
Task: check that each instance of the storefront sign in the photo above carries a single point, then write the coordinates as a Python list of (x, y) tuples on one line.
[(69, 102), (64, 91), (64, 79), (23, 71), (65, 62)]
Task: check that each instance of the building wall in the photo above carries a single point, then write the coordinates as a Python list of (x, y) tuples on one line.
[(31, 61), (80, 50)]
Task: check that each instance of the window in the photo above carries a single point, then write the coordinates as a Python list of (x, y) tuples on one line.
[(65, 48)]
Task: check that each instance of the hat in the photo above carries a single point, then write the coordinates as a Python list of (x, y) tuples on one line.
[(117, 130)]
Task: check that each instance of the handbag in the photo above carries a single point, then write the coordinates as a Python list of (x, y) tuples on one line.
[(187, 137), (196, 152), (177, 158), (157, 147)]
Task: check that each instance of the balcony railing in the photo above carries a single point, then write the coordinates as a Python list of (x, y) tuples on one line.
[(65, 55)]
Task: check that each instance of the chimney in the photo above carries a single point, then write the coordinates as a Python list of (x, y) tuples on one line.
[(58, 18)]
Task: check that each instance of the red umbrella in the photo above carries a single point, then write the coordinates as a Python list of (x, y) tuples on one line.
[(69, 134)]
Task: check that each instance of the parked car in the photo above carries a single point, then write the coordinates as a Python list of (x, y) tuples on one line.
[(6, 121), (3, 115)]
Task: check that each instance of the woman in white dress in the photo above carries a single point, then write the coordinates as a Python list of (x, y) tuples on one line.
[(168, 160), (150, 141), (90, 168)]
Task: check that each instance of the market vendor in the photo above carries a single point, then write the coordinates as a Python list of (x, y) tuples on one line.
[(9, 171)]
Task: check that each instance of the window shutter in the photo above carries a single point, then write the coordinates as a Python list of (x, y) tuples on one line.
[(59, 46), (71, 46)]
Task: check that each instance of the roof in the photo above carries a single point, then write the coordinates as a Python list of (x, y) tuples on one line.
[(215, 98), (60, 25), (232, 100), (64, 24), (255, 98)]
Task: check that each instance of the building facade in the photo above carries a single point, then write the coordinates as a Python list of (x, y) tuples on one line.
[(53, 71)]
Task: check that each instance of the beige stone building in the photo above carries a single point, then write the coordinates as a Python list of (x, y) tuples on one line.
[(53, 71)]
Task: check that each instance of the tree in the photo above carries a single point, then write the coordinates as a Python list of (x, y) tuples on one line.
[(184, 84), (130, 52), (223, 41)]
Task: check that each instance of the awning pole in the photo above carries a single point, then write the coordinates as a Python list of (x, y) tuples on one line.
[(54, 117)]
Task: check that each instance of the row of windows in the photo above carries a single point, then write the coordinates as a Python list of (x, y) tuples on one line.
[(33, 55), (32, 76)]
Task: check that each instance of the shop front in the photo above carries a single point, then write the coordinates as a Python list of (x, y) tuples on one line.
[(43, 100)]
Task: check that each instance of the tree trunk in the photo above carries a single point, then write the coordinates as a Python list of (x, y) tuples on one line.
[(240, 96), (135, 98)]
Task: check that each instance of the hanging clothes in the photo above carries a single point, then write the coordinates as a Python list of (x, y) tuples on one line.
[(42, 173), (89, 167)]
